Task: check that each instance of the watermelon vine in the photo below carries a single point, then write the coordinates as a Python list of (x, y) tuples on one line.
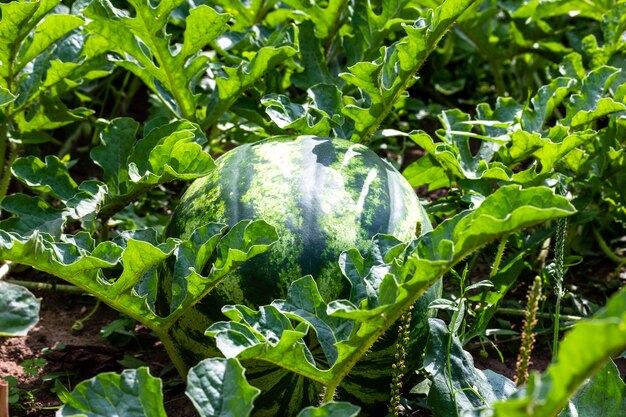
[(240, 178)]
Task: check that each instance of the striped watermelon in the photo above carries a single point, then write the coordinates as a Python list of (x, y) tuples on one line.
[(324, 196)]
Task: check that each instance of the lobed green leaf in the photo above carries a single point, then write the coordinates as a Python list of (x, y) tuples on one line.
[(217, 387), (384, 80), (331, 409), (603, 394), (50, 176), (133, 393), (144, 47), (456, 384)]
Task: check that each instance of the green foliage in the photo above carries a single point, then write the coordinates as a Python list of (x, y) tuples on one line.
[(217, 387), (107, 108), (456, 384), (134, 392), (603, 394)]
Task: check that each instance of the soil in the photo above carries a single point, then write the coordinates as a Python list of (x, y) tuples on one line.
[(72, 357)]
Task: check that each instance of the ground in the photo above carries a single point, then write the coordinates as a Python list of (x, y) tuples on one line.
[(72, 356)]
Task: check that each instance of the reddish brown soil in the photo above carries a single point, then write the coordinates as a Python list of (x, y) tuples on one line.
[(82, 355)]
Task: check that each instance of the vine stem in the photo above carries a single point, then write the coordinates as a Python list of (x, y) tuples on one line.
[(367, 342), (44, 286), (520, 312), (619, 260), (6, 172), (4, 138), (80, 323), (171, 350)]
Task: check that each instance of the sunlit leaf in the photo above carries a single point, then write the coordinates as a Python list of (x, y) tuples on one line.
[(133, 393), (217, 387), (456, 383)]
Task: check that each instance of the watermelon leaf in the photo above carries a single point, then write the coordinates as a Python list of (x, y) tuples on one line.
[(384, 80), (44, 55), (131, 168), (313, 62), (31, 215), (456, 384), (324, 19), (217, 387), (50, 176), (604, 393), (542, 10), (320, 115), (132, 393), (19, 310), (116, 144), (130, 260), (234, 81), (6, 97), (171, 151), (512, 134), (547, 98), (52, 28), (144, 48), (589, 104), (267, 334), (305, 301), (19, 19), (331, 409)]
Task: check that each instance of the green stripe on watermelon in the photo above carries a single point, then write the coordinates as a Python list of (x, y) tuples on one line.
[(324, 196)]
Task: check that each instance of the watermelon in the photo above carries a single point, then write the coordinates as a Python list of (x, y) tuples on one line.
[(324, 196)]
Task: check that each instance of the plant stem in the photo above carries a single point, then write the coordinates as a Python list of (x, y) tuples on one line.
[(4, 138), (43, 286), (172, 352), (80, 323), (497, 78), (6, 172), (498, 260), (519, 312), (606, 249), (365, 343)]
